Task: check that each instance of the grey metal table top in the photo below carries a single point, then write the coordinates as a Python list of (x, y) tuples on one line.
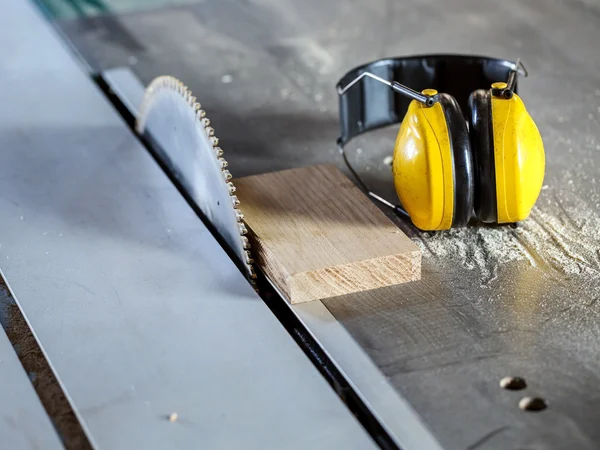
[(493, 301), (138, 310)]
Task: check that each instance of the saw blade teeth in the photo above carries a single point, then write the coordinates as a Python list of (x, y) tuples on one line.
[(231, 188), (249, 259), (226, 175), (222, 162), (205, 122), (214, 141), (201, 114), (239, 215), (252, 273), (235, 201), (243, 229), (218, 152), (210, 132), (245, 243)]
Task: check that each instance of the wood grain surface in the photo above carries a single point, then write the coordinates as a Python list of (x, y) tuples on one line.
[(316, 235)]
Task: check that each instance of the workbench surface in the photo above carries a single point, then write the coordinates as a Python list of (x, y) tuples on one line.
[(493, 301)]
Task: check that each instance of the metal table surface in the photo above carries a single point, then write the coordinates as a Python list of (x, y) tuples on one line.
[(137, 309), (493, 301)]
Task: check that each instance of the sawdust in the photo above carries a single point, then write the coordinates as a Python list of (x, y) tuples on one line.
[(563, 240)]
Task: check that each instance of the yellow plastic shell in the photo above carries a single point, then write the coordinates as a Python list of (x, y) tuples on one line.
[(423, 166), (519, 158)]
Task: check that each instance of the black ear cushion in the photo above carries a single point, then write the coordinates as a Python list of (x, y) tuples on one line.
[(482, 143), (463, 161)]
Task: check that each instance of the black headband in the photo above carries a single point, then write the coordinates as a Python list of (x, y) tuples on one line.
[(369, 105)]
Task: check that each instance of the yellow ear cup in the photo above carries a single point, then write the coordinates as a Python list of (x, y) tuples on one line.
[(518, 156), (423, 166)]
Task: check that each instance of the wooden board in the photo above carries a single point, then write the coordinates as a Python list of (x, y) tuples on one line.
[(316, 235)]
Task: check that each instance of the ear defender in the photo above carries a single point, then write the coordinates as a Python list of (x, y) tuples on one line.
[(447, 169), (432, 164), (508, 154)]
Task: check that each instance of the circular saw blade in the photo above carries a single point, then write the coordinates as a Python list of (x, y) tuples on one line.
[(174, 121)]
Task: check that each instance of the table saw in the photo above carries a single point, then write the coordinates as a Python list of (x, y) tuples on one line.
[(153, 336)]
